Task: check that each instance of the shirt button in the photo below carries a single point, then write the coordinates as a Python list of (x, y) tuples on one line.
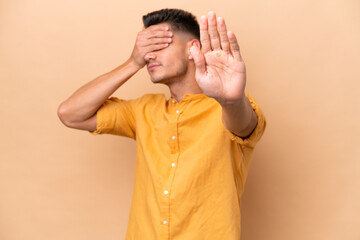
[(173, 164), (177, 111), (173, 137), (165, 222), (166, 192), (173, 101)]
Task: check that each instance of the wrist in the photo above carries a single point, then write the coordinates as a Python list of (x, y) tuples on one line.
[(134, 65), (225, 102)]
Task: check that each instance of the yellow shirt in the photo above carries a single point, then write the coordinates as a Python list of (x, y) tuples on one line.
[(190, 170)]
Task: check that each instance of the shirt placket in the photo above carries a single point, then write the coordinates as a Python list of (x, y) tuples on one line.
[(175, 113)]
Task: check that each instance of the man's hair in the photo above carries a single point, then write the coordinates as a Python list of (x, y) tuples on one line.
[(178, 19)]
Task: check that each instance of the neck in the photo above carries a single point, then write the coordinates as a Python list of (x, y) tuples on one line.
[(184, 85)]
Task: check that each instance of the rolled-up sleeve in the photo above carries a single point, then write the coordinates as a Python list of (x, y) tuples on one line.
[(257, 133), (116, 116)]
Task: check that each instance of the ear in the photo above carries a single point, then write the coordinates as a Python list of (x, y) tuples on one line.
[(193, 42)]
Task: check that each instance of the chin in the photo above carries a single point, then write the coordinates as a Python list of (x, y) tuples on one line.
[(159, 79), (156, 79)]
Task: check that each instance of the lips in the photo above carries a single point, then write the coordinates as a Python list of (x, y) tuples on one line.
[(152, 66)]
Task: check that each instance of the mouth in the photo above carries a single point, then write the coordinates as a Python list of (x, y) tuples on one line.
[(152, 66)]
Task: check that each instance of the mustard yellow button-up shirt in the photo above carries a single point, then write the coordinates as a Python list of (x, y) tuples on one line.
[(190, 170)]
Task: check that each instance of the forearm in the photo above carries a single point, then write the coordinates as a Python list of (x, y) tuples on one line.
[(84, 102), (239, 117)]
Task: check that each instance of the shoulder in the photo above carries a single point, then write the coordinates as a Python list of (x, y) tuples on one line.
[(146, 98), (152, 96), (150, 99)]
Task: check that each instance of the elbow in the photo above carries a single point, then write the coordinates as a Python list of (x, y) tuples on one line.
[(63, 115)]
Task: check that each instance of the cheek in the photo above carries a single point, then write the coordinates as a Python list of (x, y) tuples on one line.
[(174, 57)]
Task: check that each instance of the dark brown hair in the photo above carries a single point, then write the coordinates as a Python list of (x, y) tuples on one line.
[(178, 19)]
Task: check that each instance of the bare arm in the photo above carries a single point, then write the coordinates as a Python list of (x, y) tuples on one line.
[(239, 117), (220, 73), (79, 110), (83, 103)]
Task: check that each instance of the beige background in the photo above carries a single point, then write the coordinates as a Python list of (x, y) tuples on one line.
[(302, 59)]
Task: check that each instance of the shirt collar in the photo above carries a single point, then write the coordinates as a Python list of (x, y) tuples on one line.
[(189, 97)]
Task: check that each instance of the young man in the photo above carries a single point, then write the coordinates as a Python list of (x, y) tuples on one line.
[(193, 149)]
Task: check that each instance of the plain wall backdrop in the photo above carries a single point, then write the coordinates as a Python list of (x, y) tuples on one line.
[(302, 59)]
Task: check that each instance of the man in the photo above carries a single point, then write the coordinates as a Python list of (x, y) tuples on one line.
[(193, 149)]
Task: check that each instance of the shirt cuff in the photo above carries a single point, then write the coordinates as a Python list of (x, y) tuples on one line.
[(99, 123)]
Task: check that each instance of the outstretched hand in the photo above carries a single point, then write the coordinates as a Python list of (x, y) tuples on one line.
[(220, 70)]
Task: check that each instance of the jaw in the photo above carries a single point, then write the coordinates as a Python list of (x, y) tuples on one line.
[(180, 71)]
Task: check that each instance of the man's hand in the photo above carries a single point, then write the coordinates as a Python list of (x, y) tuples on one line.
[(153, 38), (220, 73), (220, 70)]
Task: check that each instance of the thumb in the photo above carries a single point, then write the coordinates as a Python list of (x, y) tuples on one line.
[(199, 59)]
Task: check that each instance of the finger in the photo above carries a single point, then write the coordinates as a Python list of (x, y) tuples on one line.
[(199, 60), (157, 27), (204, 35), (151, 41), (213, 32), (234, 46), (156, 47), (225, 44), (158, 33)]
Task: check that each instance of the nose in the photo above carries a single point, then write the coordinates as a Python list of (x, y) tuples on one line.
[(150, 56)]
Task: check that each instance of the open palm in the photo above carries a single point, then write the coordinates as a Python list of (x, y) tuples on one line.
[(220, 70)]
